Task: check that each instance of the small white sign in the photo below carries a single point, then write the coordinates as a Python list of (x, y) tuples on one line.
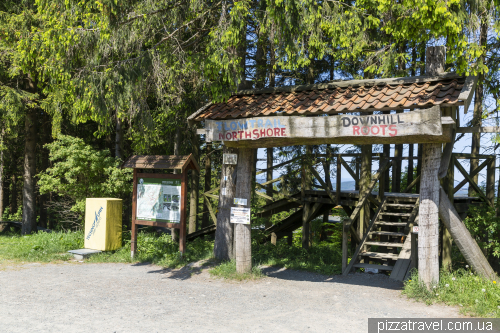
[(230, 158), (240, 215), (240, 201), (415, 230), (223, 191)]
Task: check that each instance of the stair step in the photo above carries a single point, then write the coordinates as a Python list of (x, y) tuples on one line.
[(394, 224), (387, 233), (388, 244), (400, 205), (380, 267), (395, 214), (380, 255)]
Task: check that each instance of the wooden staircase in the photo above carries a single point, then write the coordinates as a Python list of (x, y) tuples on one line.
[(386, 244)]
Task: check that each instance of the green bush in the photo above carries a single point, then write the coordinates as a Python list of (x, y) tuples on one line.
[(474, 295), (78, 172), (484, 226)]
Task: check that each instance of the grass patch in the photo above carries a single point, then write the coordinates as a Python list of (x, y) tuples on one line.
[(39, 247), (227, 270), (323, 257), (51, 247), (476, 296)]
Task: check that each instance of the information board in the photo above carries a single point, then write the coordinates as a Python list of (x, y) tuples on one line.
[(159, 200), (240, 215)]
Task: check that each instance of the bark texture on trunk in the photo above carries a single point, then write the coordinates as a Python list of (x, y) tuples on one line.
[(364, 183), (195, 182), (242, 232), (2, 166), (43, 199), (29, 197), (223, 246), (119, 138), (205, 222), (306, 185)]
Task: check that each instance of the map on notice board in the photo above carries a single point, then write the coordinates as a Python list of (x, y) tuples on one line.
[(159, 200)]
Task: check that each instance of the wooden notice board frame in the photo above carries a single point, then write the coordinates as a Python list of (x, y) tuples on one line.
[(180, 163)]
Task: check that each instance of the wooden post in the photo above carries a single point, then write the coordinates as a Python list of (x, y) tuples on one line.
[(467, 245), (345, 235), (490, 181), (447, 240), (428, 233), (364, 183), (223, 246), (357, 167), (306, 185), (269, 177), (242, 232), (410, 164), (339, 181), (133, 236), (396, 167), (419, 166), (182, 232), (195, 184)]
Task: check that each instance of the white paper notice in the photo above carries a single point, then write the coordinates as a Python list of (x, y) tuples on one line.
[(240, 215)]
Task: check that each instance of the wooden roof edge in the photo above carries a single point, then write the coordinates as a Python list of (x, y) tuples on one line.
[(352, 83), (190, 119), (468, 91), (185, 159)]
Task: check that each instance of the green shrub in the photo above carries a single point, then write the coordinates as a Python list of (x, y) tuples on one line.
[(474, 295)]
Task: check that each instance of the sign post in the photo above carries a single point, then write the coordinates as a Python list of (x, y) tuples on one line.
[(159, 199)]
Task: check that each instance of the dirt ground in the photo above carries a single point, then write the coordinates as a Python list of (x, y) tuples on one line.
[(81, 297)]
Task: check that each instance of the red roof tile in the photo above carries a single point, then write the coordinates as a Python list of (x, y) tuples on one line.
[(332, 98)]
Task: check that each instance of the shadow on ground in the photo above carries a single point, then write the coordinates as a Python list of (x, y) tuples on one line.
[(360, 279)]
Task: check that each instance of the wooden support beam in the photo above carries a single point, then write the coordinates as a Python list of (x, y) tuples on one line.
[(471, 181), (490, 182), (466, 244), (428, 245), (413, 183), (306, 185), (465, 156), (349, 170), (242, 232), (478, 129), (210, 210), (345, 235), (472, 174), (338, 180)]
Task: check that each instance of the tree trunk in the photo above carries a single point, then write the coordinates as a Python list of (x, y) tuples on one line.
[(410, 165), (364, 183), (269, 177), (43, 198), (195, 183), (29, 197), (2, 162), (396, 167), (177, 145), (223, 246), (205, 222), (306, 185), (119, 138), (242, 232), (13, 194)]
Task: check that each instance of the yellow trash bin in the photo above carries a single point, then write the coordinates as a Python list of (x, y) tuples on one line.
[(103, 224)]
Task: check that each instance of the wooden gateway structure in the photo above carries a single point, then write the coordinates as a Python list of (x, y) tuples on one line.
[(420, 110)]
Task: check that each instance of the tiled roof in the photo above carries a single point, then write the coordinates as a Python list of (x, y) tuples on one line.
[(342, 97)]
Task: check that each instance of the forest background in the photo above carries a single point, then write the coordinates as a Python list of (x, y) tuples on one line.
[(85, 84)]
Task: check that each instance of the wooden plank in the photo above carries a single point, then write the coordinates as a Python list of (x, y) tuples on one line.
[(362, 242), (395, 214), (472, 174), (345, 235), (478, 129), (462, 237), (465, 156), (468, 91), (264, 195), (403, 261), (428, 261), (392, 224), (210, 210), (380, 255), (388, 233), (471, 181), (373, 266), (385, 244)]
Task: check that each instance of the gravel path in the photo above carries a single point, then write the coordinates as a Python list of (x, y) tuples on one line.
[(81, 297)]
